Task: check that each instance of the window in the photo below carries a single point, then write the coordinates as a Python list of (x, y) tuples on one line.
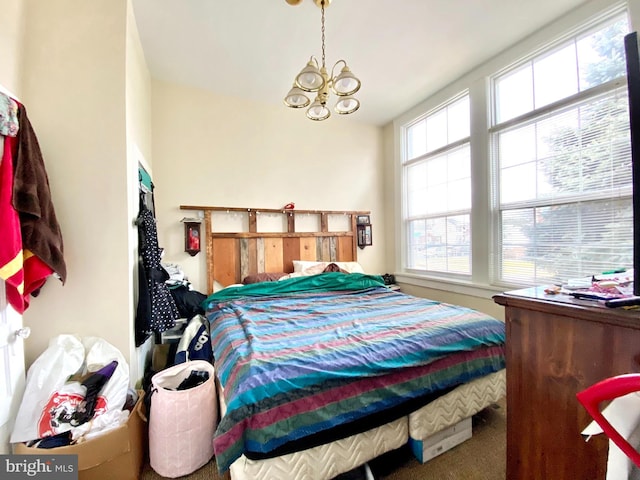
[(563, 161), (438, 188), (557, 165)]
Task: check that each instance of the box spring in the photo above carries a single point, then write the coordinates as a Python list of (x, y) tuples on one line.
[(326, 461)]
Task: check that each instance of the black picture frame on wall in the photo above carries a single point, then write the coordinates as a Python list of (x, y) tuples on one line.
[(363, 219), (364, 235)]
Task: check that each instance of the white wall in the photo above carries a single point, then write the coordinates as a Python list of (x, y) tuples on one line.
[(389, 195), (138, 131), (11, 37), (73, 61), (634, 9), (220, 151)]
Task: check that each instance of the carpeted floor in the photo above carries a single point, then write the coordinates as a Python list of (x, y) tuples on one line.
[(483, 457)]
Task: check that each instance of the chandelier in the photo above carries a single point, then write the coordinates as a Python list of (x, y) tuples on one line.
[(314, 78)]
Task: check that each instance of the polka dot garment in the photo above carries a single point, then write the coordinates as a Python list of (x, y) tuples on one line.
[(163, 308)]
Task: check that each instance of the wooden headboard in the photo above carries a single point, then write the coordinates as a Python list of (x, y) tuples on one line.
[(231, 256)]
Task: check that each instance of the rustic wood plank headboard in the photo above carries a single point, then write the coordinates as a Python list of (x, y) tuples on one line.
[(231, 256)]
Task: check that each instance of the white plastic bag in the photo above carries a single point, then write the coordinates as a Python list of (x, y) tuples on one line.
[(51, 401), (64, 357)]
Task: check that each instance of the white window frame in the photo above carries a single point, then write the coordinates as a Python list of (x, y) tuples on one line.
[(478, 84), (427, 156)]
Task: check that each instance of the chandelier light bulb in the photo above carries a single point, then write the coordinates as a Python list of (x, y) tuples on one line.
[(310, 79), (296, 98), (346, 83), (318, 110), (346, 105)]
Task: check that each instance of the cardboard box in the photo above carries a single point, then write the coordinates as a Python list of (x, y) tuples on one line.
[(438, 443), (116, 454)]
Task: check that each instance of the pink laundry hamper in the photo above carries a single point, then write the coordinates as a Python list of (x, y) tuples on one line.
[(182, 422)]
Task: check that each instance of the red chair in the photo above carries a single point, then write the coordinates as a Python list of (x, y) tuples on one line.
[(609, 389)]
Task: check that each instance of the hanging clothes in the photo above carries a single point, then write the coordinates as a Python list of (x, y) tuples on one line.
[(142, 325), (23, 271), (9, 125), (32, 200), (11, 256), (163, 311)]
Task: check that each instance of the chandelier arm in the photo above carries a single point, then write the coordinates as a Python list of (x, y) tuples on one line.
[(335, 65)]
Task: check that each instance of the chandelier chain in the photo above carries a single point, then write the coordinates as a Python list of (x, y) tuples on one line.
[(322, 9)]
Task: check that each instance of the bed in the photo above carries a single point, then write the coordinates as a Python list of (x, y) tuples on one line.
[(319, 373)]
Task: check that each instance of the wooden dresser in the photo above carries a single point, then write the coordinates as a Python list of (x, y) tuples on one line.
[(557, 346)]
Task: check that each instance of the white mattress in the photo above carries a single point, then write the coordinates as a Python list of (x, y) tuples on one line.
[(329, 460)]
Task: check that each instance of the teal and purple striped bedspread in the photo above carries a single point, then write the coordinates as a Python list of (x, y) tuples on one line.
[(300, 356)]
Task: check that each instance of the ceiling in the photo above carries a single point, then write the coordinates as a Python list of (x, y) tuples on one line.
[(402, 50)]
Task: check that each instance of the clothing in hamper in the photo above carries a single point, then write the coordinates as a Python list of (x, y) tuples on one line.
[(182, 422), (300, 356)]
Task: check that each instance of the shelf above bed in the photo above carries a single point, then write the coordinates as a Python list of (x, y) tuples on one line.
[(274, 210)]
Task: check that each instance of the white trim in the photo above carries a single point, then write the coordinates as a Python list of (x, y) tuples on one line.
[(577, 99), (448, 285)]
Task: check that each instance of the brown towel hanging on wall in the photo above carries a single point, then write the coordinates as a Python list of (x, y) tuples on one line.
[(41, 232)]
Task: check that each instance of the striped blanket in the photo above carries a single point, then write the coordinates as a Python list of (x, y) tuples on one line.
[(300, 356)]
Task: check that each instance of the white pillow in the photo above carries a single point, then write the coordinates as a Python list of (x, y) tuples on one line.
[(351, 267), (217, 286)]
